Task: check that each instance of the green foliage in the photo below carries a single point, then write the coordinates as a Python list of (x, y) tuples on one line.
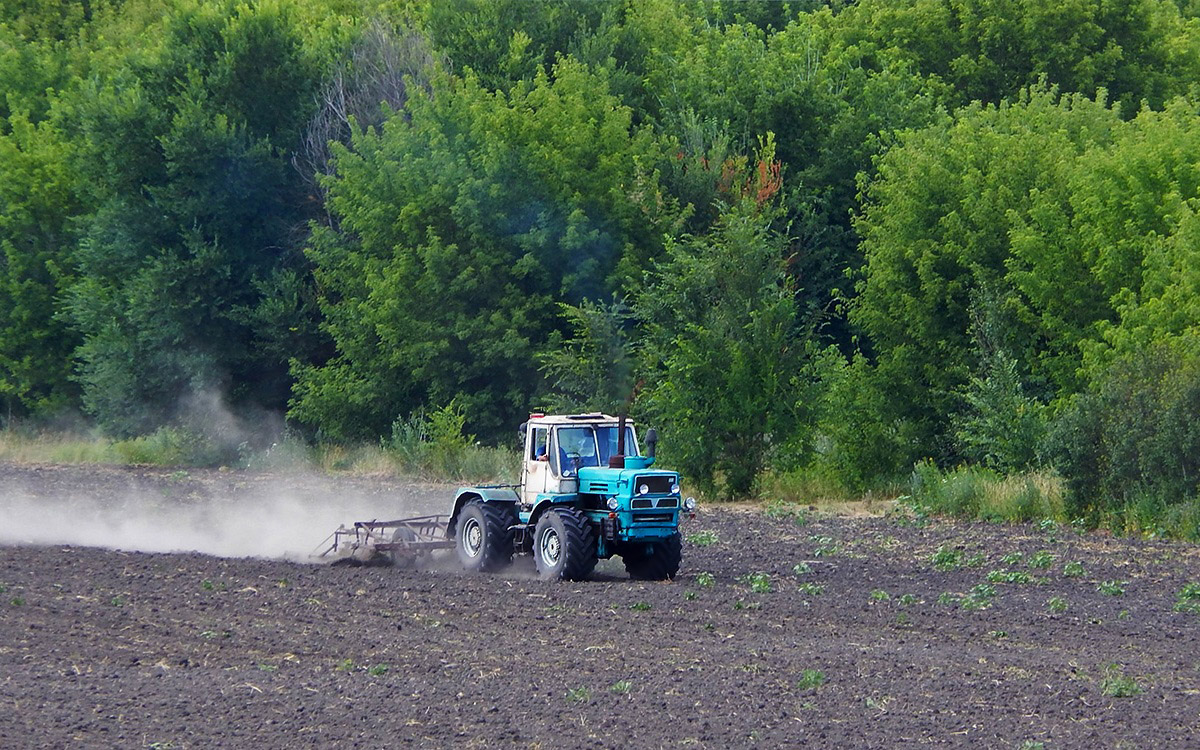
[(759, 583), (592, 370), (1130, 448), (945, 226), (192, 202), (988, 51), (487, 210), (946, 558), (434, 444), (1112, 588), (705, 538), (1116, 684), (1188, 599), (976, 492), (38, 195), (810, 679), (1001, 427), (724, 350)]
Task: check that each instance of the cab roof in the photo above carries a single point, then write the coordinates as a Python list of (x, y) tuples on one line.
[(560, 419)]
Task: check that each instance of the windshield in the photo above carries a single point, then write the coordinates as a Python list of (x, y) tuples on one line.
[(589, 446)]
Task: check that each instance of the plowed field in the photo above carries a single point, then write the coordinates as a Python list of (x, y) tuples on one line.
[(781, 630)]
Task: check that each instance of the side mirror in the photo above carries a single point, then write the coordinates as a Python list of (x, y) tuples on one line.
[(521, 430), (651, 441)]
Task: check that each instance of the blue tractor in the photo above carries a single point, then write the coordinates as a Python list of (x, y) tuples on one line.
[(586, 494)]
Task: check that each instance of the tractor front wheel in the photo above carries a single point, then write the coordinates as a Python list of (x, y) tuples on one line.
[(485, 536), (658, 561), (564, 545)]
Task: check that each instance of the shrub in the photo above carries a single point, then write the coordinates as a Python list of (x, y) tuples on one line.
[(1130, 447)]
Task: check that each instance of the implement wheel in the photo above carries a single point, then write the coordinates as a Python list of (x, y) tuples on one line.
[(564, 545), (485, 536), (658, 561)]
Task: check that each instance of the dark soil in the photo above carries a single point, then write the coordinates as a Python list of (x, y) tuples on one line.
[(866, 644)]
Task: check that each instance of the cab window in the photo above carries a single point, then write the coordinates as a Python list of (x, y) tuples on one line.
[(538, 445)]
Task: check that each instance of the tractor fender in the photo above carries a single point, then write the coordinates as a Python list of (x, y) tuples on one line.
[(546, 502), (486, 494)]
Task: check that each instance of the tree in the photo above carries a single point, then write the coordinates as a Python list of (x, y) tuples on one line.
[(723, 349), (192, 209), (38, 195), (462, 224), (949, 215)]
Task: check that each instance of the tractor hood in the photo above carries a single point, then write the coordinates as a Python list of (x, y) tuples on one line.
[(627, 482)]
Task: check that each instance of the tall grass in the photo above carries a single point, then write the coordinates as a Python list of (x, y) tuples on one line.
[(975, 492), (817, 487), (430, 455), (972, 492)]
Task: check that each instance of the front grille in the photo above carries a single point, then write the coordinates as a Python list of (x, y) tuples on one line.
[(643, 502), (653, 517), (668, 502), (658, 483)]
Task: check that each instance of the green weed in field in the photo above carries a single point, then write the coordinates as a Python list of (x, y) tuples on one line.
[(1073, 569), (621, 687), (1112, 588), (1056, 604), (978, 598), (1042, 559), (702, 538), (760, 583), (640, 606), (1188, 599), (801, 569), (1116, 684), (786, 510), (825, 546), (579, 695), (1008, 576), (705, 579), (810, 679), (378, 670), (1013, 558), (879, 595), (946, 558), (812, 589)]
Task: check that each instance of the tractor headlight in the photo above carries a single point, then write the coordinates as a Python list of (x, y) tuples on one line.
[(644, 489), (675, 489), (689, 504), (613, 503)]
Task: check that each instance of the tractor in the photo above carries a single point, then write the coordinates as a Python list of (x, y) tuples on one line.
[(585, 494)]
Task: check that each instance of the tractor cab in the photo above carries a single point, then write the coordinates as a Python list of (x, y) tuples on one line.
[(558, 447)]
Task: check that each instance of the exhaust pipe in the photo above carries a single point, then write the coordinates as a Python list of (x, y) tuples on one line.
[(617, 461)]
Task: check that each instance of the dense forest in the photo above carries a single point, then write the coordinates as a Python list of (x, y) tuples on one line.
[(821, 239)]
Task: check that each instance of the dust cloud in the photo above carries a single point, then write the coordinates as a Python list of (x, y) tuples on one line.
[(264, 521)]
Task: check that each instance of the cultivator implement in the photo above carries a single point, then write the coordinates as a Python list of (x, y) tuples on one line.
[(404, 541)]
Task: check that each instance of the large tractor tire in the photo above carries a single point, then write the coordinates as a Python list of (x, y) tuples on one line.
[(658, 561), (564, 545), (484, 538)]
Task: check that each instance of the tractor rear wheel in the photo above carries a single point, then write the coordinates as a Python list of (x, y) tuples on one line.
[(564, 545), (658, 561), (485, 536)]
